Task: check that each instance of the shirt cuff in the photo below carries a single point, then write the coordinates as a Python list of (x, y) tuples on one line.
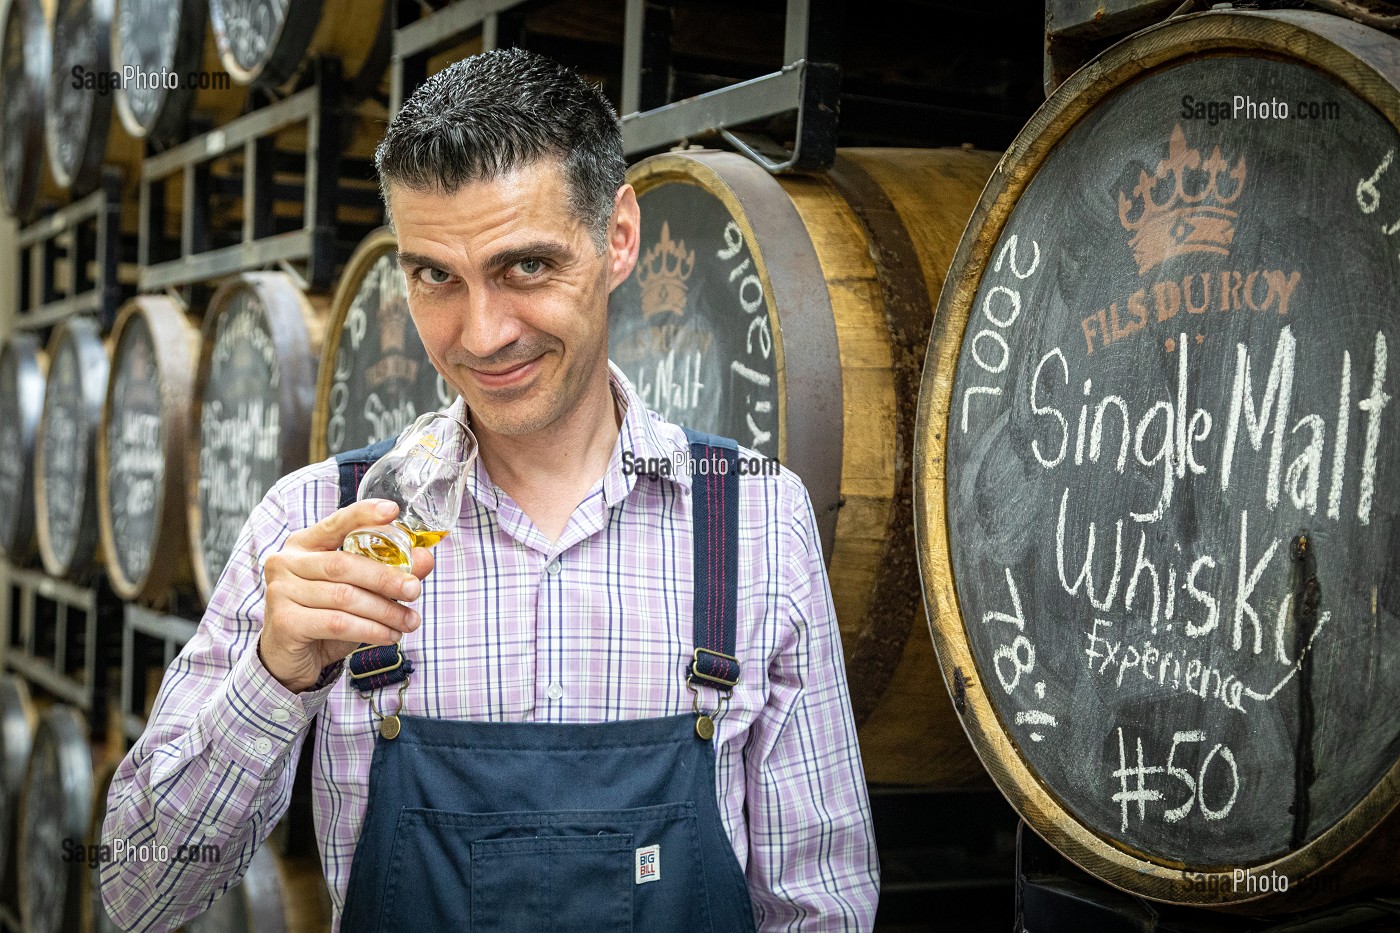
[(259, 720)]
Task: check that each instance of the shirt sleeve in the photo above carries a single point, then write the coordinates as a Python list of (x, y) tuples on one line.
[(812, 862), (216, 762)]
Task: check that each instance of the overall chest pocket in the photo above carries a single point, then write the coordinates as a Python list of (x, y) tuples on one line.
[(552, 883), (572, 871)]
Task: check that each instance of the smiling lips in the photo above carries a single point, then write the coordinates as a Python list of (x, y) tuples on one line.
[(506, 378)]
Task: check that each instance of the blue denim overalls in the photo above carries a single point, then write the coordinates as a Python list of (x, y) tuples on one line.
[(607, 827)]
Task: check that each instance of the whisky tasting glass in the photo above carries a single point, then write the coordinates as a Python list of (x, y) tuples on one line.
[(425, 473)]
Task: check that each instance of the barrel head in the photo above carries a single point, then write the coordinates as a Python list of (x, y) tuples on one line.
[(21, 405), (79, 101), (158, 38), (253, 395), (55, 807), (1155, 452), (65, 474), (375, 378), (24, 80)]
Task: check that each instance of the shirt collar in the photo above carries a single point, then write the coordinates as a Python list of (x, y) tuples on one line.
[(650, 440), (645, 435)]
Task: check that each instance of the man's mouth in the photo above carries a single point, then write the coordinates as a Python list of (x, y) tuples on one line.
[(503, 378)]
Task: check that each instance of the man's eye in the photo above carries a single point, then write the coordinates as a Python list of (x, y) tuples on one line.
[(433, 276), (530, 266)]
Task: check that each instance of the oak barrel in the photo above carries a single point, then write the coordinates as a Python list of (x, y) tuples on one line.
[(374, 378), (791, 313), (54, 810), (24, 82), (251, 420), (17, 716), (269, 43), (163, 38), (141, 449), (22, 364), (1156, 460), (79, 129), (65, 469)]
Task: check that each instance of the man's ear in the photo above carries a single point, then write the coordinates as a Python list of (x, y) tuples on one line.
[(624, 236)]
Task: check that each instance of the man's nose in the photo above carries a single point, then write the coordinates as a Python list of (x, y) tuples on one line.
[(488, 323)]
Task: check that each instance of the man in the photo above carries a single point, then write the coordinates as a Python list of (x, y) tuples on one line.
[(554, 769)]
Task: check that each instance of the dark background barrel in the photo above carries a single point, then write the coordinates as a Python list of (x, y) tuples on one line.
[(17, 718), (21, 406), (375, 377), (252, 416), (158, 36), (141, 449), (24, 81), (269, 43), (80, 130), (65, 475), (790, 313), (56, 806)]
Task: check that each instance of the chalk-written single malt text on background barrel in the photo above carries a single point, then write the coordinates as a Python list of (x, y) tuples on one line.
[(22, 365), (375, 377), (252, 411), (141, 448), (791, 314), (1156, 450), (65, 471)]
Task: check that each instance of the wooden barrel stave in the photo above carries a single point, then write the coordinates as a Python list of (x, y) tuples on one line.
[(270, 316), (65, 472), (22, 365), (145, 417), (1191, 857), (851, 300)]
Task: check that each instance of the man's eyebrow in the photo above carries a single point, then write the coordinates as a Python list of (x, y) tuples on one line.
[(540, 249), (416, 260)]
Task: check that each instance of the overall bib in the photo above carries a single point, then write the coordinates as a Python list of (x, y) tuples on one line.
[(610, 827)]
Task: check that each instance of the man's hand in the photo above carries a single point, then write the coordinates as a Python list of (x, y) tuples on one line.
[(323, 603)]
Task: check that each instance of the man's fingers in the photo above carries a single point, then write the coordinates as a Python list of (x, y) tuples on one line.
[(329, 533), (320, 625), (352, 600), (423, 562)]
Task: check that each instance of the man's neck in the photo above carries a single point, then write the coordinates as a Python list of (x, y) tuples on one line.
[(568, 457)]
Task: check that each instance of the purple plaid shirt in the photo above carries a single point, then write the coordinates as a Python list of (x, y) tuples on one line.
[(596, 626)]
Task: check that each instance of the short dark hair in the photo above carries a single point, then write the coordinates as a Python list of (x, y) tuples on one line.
[(492, 113)]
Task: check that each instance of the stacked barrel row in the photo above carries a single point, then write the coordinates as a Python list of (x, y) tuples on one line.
[(100, 481)]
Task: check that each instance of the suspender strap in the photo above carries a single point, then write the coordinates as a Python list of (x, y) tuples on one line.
[(371, 666), (715, 513)]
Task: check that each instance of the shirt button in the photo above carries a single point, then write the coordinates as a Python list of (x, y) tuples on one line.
[(553, 567), (262, 746), (210, 832), (280, 715), (555, 691)]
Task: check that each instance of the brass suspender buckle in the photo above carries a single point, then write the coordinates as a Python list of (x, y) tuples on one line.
[(398, 661), (695, 672)]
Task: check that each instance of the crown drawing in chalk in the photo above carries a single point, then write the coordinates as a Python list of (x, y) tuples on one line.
[(393, 322), (1184, 207), (662, 274)]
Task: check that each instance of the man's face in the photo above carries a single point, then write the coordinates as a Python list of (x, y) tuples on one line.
[(509, 292)]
